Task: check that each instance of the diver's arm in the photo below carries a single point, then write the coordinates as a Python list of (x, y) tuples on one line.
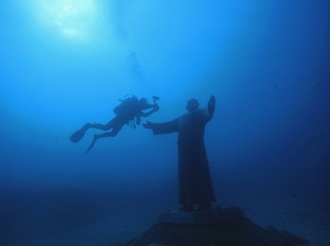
[(211, 107), (155, 109)]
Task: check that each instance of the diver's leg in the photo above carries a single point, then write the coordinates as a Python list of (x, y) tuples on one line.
[(104, 127), (78, 135), (113, 133)]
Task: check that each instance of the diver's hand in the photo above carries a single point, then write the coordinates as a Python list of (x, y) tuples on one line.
[(148, 125), (155, 108)]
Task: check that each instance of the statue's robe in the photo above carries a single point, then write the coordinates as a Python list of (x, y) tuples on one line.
[(195, 184)]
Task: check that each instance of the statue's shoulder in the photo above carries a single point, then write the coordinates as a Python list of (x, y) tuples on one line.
[(203, 112), (198, 113)]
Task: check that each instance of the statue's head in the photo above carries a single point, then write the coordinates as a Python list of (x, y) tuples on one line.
[(192, 105)]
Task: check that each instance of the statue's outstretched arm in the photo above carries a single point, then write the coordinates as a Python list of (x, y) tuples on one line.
[(163, 128)]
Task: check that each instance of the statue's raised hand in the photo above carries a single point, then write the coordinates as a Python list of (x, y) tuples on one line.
[(212, 101)]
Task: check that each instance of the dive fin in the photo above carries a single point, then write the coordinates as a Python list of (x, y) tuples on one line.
[(78, 135), (92, 144)]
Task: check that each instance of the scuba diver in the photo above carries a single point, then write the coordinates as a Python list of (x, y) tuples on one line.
[(129, 112)]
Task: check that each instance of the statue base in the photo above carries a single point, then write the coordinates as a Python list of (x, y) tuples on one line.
[(213, 227), (205, 217)]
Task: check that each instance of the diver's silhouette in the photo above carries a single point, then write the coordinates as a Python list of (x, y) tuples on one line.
[(195, 184), (128, 112)]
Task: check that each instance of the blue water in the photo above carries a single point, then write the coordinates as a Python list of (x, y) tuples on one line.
[(67, 62)]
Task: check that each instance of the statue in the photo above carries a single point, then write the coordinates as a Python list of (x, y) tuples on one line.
[(195, 184)]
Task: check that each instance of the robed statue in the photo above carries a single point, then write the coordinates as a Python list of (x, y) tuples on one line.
[(195, 184)]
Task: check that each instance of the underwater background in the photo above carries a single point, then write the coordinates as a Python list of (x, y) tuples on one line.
[(67, 62)]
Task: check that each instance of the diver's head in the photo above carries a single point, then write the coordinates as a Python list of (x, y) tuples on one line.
[(192, 105), (143, 104)]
